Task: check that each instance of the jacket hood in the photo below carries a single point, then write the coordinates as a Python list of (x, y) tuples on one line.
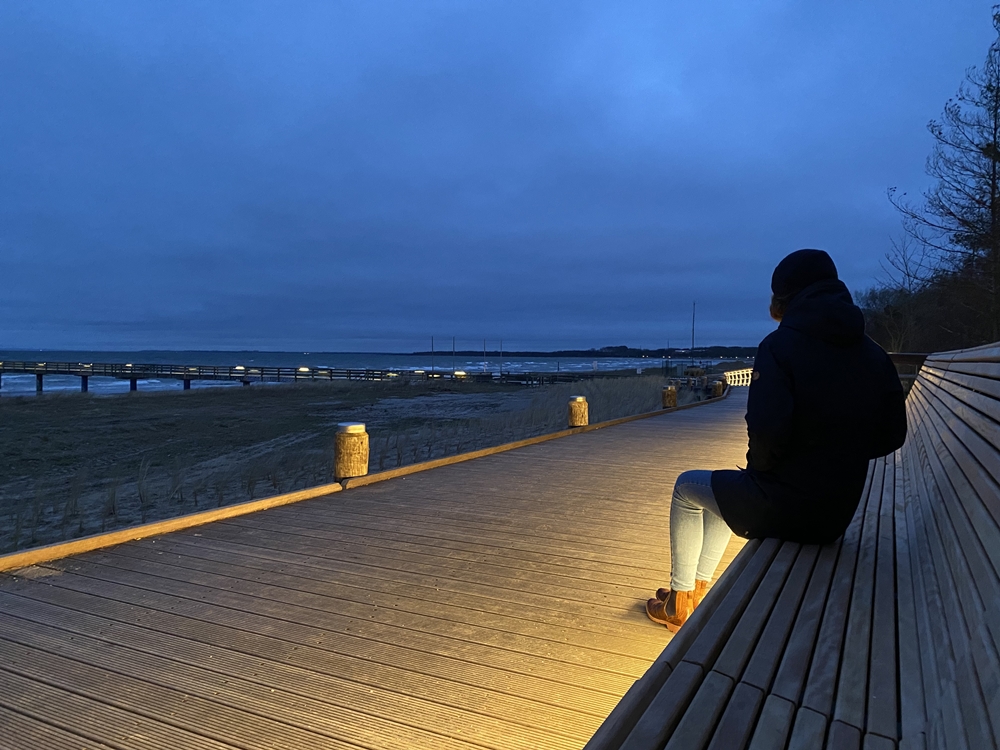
[(825, 310)]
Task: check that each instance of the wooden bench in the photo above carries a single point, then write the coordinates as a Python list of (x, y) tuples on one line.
[(888, 638)]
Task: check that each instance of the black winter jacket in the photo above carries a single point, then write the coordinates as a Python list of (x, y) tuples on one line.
[(824, 399)]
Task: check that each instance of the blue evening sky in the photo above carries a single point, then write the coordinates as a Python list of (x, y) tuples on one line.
[(364, 175)]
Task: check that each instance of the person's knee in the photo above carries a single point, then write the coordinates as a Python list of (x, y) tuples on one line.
[(687, 477)]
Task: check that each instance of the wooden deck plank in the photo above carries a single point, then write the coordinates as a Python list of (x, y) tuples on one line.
[(38, 735), (94, 720), (340, 709), (192, 713), (495, 603), (548, 608), (467, 610), (361, 658), (295, 666)]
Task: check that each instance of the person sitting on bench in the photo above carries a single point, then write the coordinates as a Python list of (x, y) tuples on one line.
[(824, 400)]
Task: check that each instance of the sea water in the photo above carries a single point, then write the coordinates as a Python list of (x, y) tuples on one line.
[(14, 384)]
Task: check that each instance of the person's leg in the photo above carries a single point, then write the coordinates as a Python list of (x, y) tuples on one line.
[(715, 539), (698, 535)]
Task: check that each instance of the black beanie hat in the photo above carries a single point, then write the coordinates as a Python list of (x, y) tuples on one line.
[(798, 270)]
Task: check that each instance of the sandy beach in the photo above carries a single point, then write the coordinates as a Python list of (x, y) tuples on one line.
[(77, 464)]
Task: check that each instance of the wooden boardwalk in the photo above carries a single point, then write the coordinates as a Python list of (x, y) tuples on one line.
[(496, 603)]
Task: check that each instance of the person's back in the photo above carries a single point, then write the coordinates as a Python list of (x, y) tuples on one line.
[(824, 399)]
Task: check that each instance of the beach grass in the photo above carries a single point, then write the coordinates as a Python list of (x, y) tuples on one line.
[(77, 464)]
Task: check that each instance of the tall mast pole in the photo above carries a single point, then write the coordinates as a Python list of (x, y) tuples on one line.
[(694, 307)]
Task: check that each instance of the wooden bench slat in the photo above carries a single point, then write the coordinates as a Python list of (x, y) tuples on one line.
[(985, 353), (628, 710), (695, 728), (911, 694), (980, 589), (713, 636), (926, 642), (979, 473), (774, 725), (843, 737), (740, 645), (943, 710), (956, 707), (877, 742), (971, 383), (794, 667), (883, 709), (821, 685), (954, 580), (982, 370), (767, 654), (809, 730), (737, 722), (666, 709), (852, 683)]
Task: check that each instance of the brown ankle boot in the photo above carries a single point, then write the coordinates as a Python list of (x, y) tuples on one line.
[(673, 611), (700, 589)]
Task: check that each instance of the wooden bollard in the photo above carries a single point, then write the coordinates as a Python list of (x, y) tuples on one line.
[(718, 388), (350, 453), (579, 414), (670, 397)]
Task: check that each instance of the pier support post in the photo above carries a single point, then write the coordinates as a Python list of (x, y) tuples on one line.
[(38, 382), (133, 384), (187, 384), (718, 388), (670, 397), (350, 454), (84, 386), (579, 412)]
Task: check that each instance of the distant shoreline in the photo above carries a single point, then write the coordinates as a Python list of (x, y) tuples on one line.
[(708, 352)]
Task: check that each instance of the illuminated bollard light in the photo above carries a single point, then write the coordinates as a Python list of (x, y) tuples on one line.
[(579, 414), (350, 454), (718, 388), (670, 397)]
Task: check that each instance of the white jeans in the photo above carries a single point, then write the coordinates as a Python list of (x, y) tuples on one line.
[(698, 535)]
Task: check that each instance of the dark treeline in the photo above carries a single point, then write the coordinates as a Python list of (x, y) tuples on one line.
[(942, 285)]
